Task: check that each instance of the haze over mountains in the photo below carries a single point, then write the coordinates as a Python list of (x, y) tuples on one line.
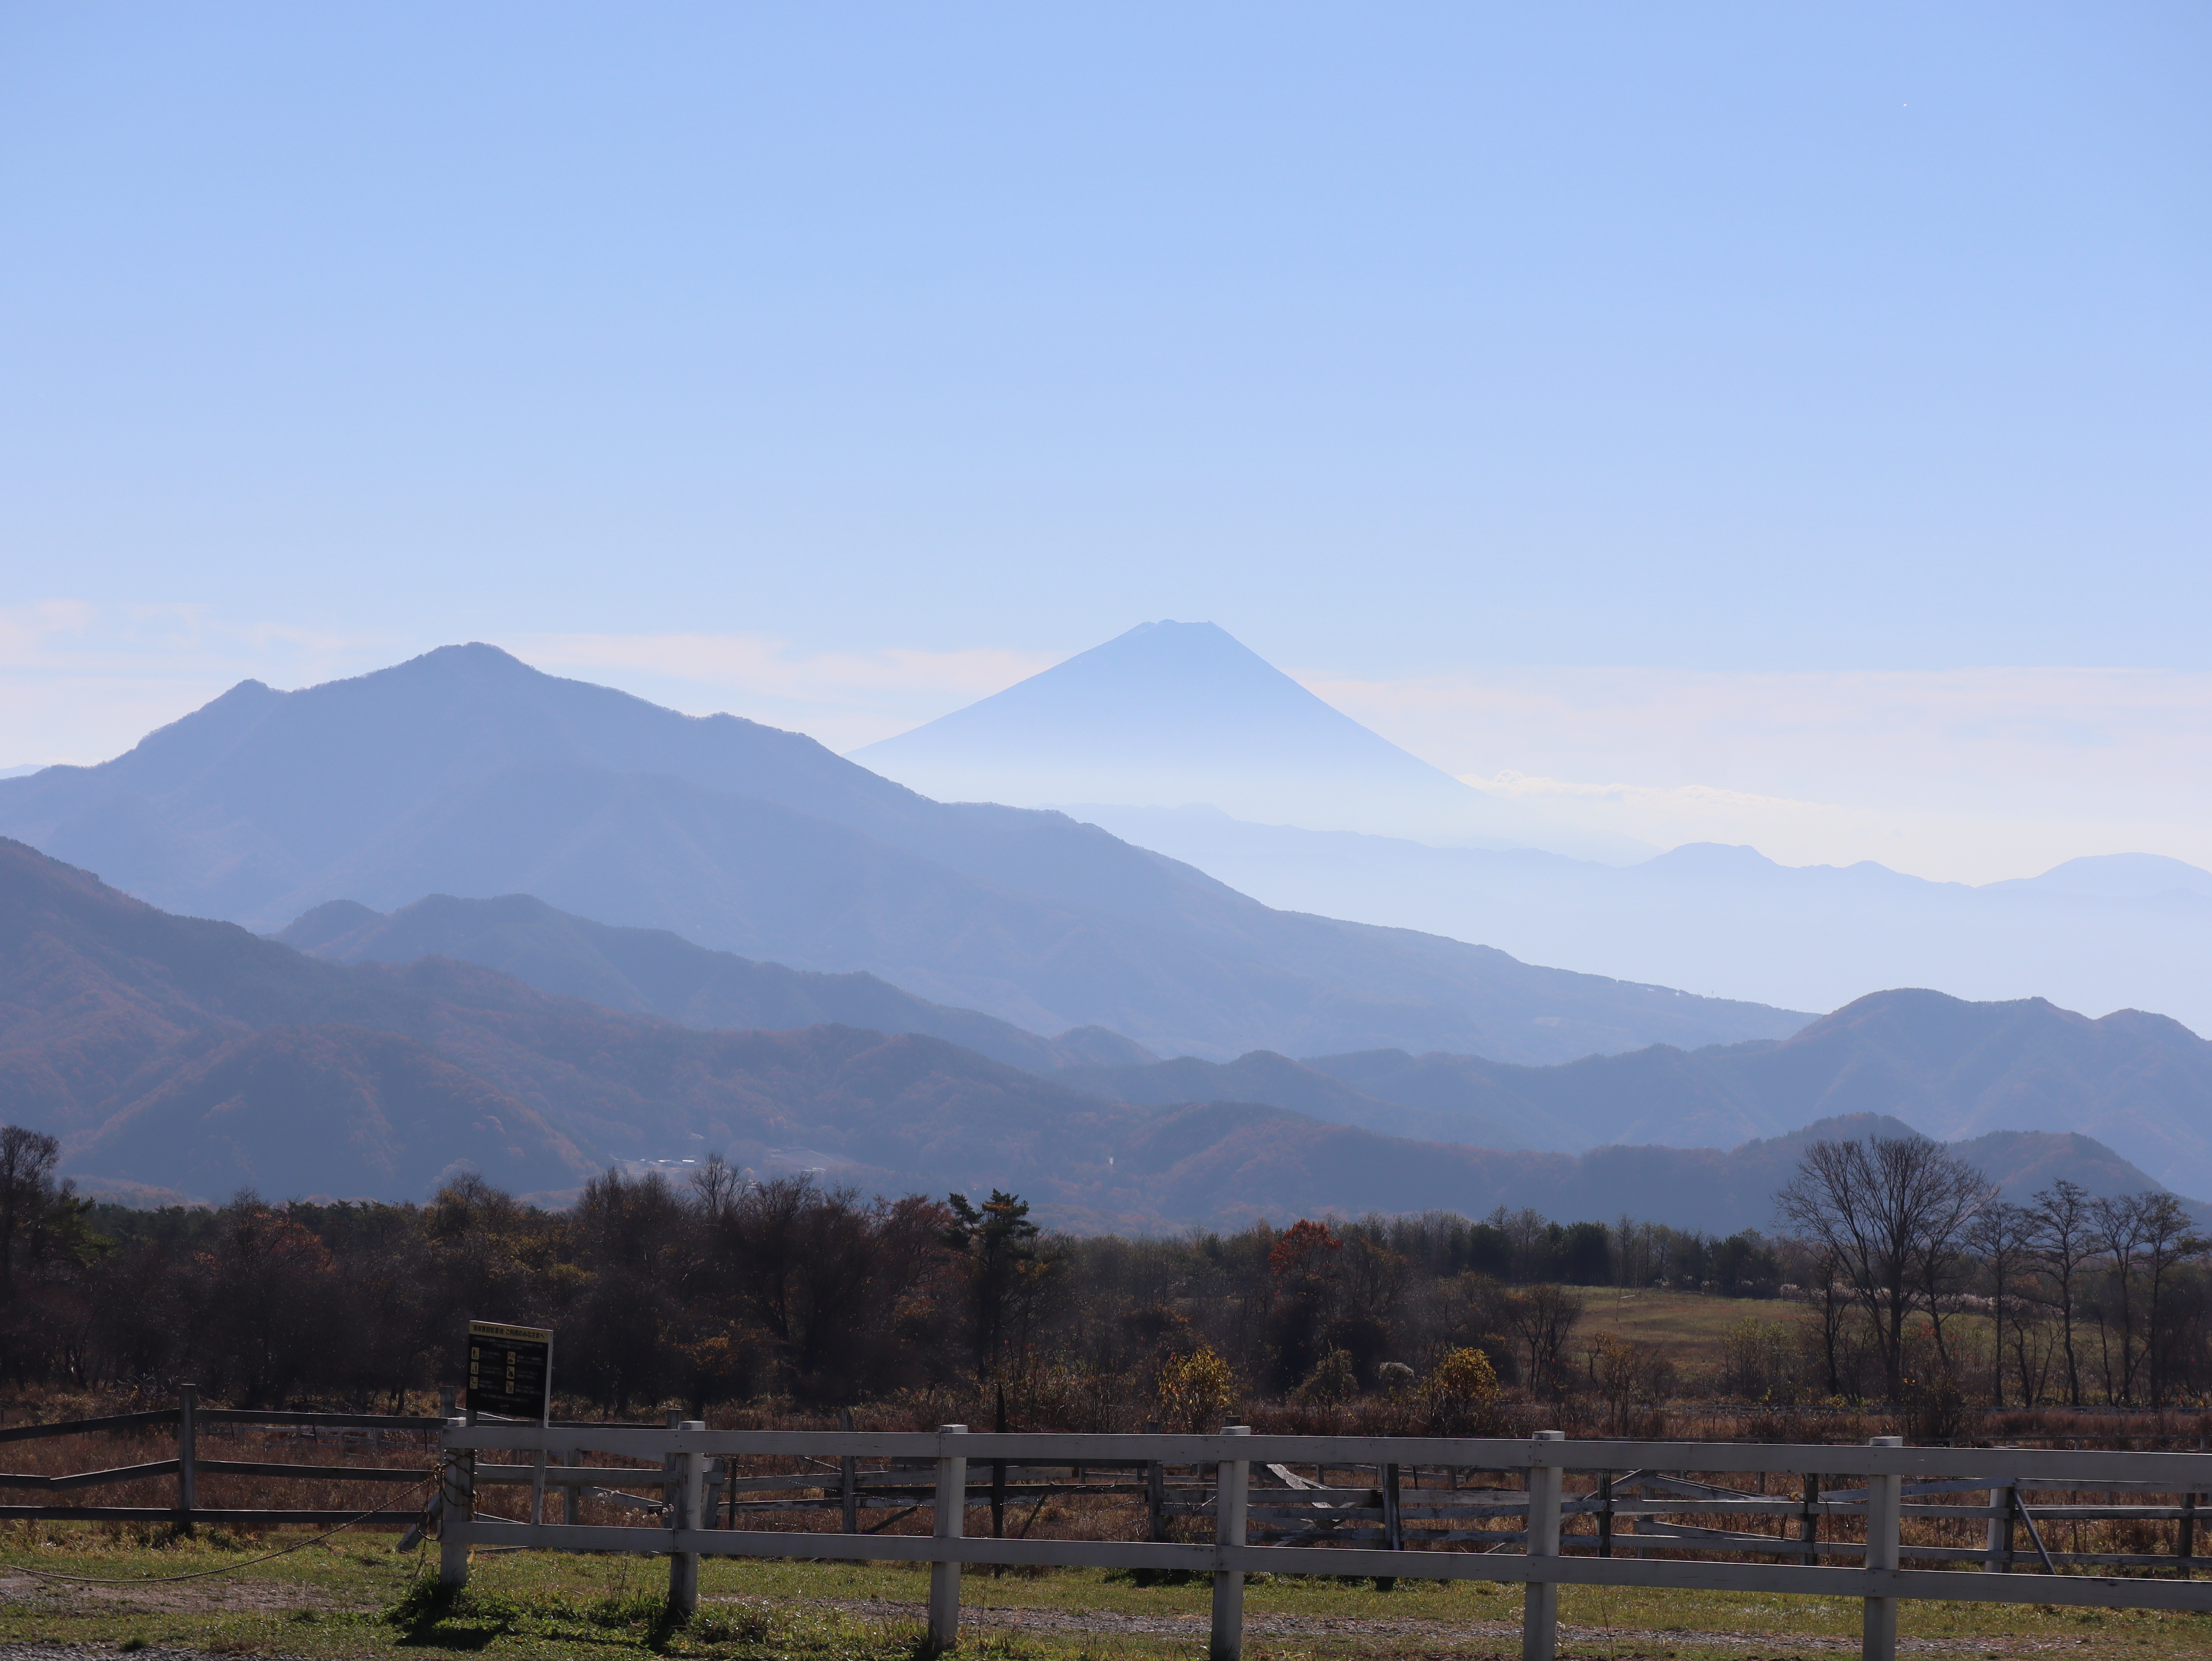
[(549, 925), (651, 970), (1176, 738), (2135, 1083), (185, 1054), (465, 772), (2115, 931), (1171, 713), (2140, 1084), (178, 1054)]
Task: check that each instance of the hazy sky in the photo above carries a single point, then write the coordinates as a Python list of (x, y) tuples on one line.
[(1803, 405)]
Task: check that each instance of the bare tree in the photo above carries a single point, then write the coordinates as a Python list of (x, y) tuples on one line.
[(1541, 1319), (714, 1189), (2064, 1243), (2001, 1237), (2118, 1226), (2168, 1240), (1835, 1307), (1889, 1211)]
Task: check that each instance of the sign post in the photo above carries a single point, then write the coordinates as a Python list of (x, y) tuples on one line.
[(510, 1371)]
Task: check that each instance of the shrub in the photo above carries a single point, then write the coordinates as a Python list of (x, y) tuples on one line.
[(1195, 1392), (1460, 1393)]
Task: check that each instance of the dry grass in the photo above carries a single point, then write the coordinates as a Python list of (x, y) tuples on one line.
[(1688, 1325)]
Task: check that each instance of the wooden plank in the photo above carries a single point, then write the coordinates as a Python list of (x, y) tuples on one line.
[(1732, 1508), (310, 1473), (1317, 1538), (397, 1518), (1313, 1514), (325, 1421), (1696, 1539), (90, 1479), (882, 1548), (87, 1427), (1987, 1467)]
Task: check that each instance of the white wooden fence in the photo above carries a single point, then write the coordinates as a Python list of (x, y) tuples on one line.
[(1636, 1486)]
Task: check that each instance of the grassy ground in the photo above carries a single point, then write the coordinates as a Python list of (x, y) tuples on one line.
[(356, 1596), (1688, 1324)]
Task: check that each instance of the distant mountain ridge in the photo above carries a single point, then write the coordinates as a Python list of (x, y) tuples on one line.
[(2139, 1083), (652, 971), (185, 1054), (2097, 933), (179, 1054), (1248, 1161), (465, 772)]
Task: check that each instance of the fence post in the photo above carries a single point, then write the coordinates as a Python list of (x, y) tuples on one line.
[(849, 1490), (1540, 1606), (999, 1483), (1230, 1480), (1605, 1514), (2184, 1536), (458, 1506), (683, 1513), (1998, 1558), (1878, 1641), (188, 1406), (1808, 1526), (1393, 1533), (951, 1523), (1155, 1492)]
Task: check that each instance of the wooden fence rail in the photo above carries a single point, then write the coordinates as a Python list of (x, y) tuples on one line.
[(1415, 1520), (190, 1421)]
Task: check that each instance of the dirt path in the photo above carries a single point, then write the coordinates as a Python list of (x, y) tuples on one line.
[(213, 1595), (105, 1652)]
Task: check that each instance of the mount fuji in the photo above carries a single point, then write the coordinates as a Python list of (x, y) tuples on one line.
[(1176, 713)]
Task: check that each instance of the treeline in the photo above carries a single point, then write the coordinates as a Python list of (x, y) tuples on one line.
[(719, 1289)]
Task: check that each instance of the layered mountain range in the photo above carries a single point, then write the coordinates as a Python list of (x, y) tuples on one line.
[(181, 1057), (1958, 1069), (1177, 738), (465, 772), (2100, 932), (653, 971), (531, 926)]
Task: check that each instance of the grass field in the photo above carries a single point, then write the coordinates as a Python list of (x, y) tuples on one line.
[(1688, 1323), (357, 1597)]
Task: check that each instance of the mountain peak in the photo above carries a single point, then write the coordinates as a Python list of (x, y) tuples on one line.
[(473, 657), (1171, 714), (1160, 688), (2118, 876)]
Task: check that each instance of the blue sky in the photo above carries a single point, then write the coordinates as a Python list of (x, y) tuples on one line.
[(862, 358)]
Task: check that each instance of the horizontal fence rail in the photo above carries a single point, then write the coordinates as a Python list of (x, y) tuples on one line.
[(1643, 1514), (192, 1422)]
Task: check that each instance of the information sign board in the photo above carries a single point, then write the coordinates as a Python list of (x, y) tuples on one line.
[(510, 1371)]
